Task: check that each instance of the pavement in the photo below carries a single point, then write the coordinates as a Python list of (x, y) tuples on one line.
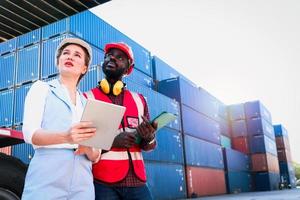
[(288, 194)]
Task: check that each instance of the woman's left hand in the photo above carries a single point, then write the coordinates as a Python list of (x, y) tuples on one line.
[(91, 153)]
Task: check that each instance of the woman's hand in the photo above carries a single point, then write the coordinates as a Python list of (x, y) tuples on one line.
[(80, 131), (91, 153)]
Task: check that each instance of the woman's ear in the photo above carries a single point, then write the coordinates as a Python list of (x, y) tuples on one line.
[(85, 70)]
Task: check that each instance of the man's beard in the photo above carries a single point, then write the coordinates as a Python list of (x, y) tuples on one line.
[(113, 74)]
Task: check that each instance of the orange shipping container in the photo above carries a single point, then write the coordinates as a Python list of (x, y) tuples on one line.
[(282, 143), (284, 155), (263, 162), (6, 150), (240, 144), (205, 181)]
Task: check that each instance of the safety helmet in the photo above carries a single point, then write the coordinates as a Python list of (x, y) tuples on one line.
[(126, 49)]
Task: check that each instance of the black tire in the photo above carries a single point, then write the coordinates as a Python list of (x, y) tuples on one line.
[(12, 175), (7, 195)]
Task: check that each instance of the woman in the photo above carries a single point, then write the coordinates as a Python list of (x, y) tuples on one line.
[(60, 169)]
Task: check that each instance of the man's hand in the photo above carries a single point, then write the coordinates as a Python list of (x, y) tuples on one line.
[(146, 130), (124, 140)]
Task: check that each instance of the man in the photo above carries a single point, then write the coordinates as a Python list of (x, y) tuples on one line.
[(120, 172)]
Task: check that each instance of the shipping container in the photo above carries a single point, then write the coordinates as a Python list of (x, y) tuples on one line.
[(262, 144), (259, 126), (287, 173), (192, 96), (236, 112), (28, 64), (284, 155), (264, 181), (169, 147), (141, 78), (262, 162), (225, 141), (6, 107), (255, 109), (166, 181), (20, 94), (6, 150), (200, 126), (57, 28), (235, 160), (280, 130), (241, 144), (29, 38), (239, 128), (90, 79), (224, 127), (205, 181), (202, 153), (7, 68), (238, 181), (23, 151), (8, 46), (282, 142)]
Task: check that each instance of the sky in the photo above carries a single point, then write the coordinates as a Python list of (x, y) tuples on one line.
[(238, 50)]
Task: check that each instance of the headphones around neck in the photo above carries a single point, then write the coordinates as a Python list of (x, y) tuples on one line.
[(107, 87)]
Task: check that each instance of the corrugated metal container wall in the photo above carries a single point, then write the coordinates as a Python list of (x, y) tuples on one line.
[(225, 141), (6, 107), (98, 56), (169, 147), (264, 181), (166, 181), (255, 109), (23, 151), (236, 112), (6, 150), (90, 79), (157, 103), (259, 126), (284, 155), (28, 64), (196, 153), (141, 78), (224, 127), (239, 128), (238, 181), (235, 160), (262, 144), (200, 126), (287, 173), (282, 142), (8, 46), (56, 28), (106, 34), (29, 38), (280, 130), (20, 95), (7, 68), (241, 144), (200, 181), (264, 162)]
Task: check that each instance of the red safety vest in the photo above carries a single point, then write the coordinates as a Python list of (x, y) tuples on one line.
[(113, 165)]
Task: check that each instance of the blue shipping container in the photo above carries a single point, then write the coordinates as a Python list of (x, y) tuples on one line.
[(20, 95), (224, 127), (238, 181), (169, 147), (255, 109), (235, 160), (200, 126), (280, 130), (28, 64), (139, 77), (29, 38), (56, 28), (23, 151), (287, 173), (8, 46), (236, 112), (239, 128), (90, 79), (166, 181), (202, 153), (259, 126), (264, 181), (7, 68), (6, 107), (262, 144)]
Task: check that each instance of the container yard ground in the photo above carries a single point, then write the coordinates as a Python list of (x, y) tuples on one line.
[(292, 194)]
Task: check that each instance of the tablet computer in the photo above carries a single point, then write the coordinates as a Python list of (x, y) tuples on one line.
[(106, 117)]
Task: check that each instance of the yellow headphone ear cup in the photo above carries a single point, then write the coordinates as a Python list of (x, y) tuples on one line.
[(105, 86), (117, 89)]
